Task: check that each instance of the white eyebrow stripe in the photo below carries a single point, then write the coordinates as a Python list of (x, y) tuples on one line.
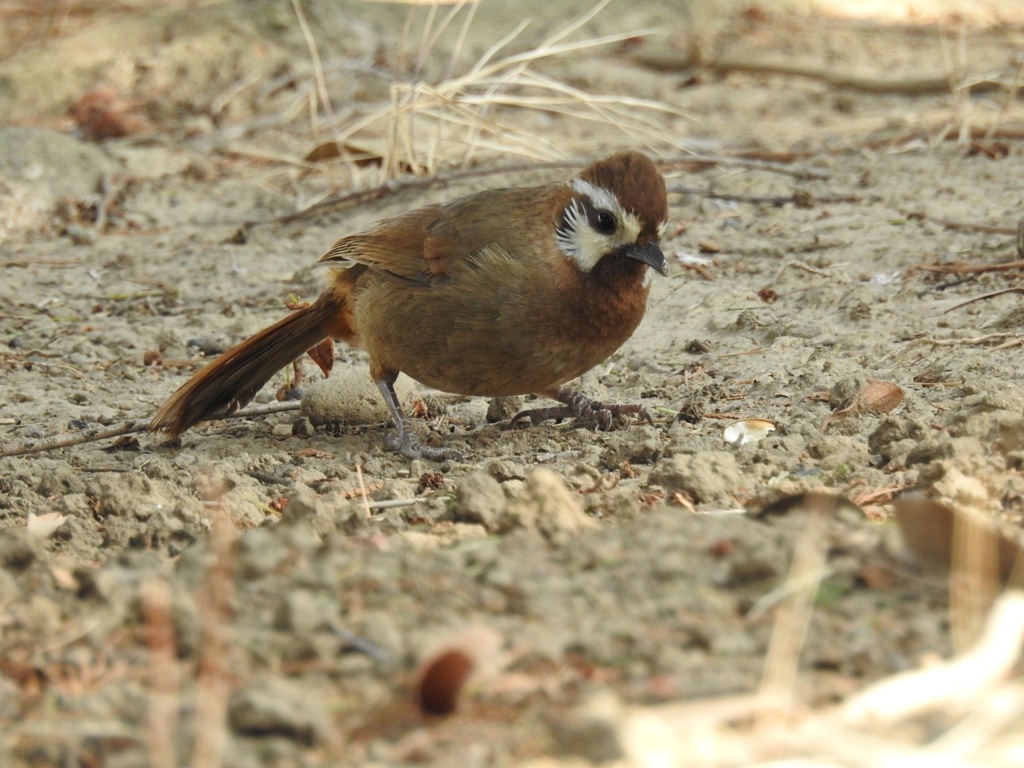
[(601, 198)]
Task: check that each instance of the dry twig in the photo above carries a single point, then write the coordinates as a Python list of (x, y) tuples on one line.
[(907, 86), (443, 179), (54, 442)]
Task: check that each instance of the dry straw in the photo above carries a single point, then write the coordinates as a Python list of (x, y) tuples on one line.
[(462, 116)]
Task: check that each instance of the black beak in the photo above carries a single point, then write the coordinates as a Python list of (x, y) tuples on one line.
[(650, 255)]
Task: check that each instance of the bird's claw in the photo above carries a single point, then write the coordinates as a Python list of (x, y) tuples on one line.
[(579, 406), (409, 445)]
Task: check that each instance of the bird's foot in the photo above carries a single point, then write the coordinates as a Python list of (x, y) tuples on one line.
[(577, 405), (409, 445)]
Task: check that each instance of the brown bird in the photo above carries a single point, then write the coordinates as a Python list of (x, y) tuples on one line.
[(504, 292)]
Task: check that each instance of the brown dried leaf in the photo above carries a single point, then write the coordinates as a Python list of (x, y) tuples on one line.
[(878, 397), (331, 150), (441, 681), (875, 397), (444, 673), (326, 151), (430, 481), (102, 114), (323, 355)]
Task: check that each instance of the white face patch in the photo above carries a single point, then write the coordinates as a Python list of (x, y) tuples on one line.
[(648, 278), (574, 220), (583, 244)]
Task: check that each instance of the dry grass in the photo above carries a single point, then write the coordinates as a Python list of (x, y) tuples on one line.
[(479, 112), (968, 123)]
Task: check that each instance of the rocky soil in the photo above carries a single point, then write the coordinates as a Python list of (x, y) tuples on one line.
[(281, 591)]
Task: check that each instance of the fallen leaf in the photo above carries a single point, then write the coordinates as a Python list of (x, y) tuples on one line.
[(879, 397), (445, 671), (323, 355), (875, 397), (330, 150), (442, 680), (103, 114)]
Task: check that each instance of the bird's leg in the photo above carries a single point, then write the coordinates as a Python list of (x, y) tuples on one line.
[(576, 404), (406, 442)]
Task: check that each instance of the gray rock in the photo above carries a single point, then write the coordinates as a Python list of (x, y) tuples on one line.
[(480, 499), (503, 408), (275, 706), (18, 549), (350, 397), (709, 476), (546, 505)]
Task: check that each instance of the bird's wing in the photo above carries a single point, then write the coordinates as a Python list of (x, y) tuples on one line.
[(425, 244)]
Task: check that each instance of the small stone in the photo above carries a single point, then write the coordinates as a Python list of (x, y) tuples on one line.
[(300, 503), (503, 470), (276, 706), (480, 499), (708, 476), (299, 613), (503, 408), (349, 396), (546, 505), (17, 549), (303, 427), (636, 445), (211, 346), (843, 392), (592, 731)]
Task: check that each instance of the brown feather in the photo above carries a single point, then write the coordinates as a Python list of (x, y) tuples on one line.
[(232, 379)]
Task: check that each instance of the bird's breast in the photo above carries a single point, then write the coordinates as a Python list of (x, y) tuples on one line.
[(501, 324)]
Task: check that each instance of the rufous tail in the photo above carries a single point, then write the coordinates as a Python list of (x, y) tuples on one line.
[(230, 381)]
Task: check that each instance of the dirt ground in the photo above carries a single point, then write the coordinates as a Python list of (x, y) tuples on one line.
[(266, 591)]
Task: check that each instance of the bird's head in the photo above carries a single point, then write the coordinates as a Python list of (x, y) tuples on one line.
[(618, 209)]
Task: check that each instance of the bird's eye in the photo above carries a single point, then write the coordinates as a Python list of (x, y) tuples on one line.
[(604, 222)]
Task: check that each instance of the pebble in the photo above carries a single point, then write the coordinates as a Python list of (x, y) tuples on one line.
[(303, 427), (17, 549), (276, 706), (480, 499), (546, 505), (350, 397), (707, 476)]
